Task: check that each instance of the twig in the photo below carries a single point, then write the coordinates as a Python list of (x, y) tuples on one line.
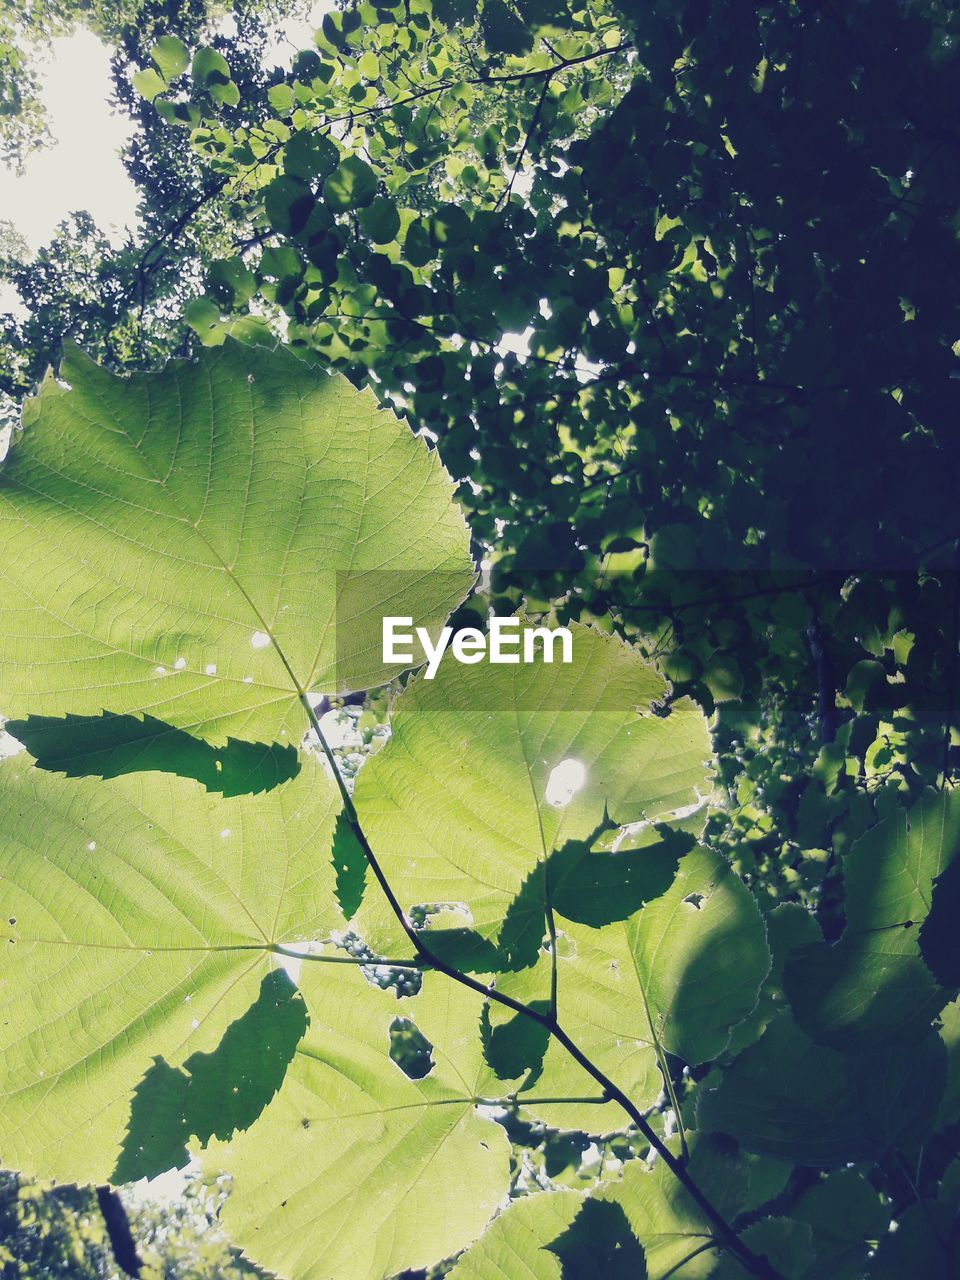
[(119, 1232), (534, 121), (753, 1263)]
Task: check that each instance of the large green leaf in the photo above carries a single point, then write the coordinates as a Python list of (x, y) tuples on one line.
[(516, 1242), (790, 1098), (138, 920), (457, 806), (355, 1170), (677, 977), (925, 1241), (668, 1222), (873, 986), (203, 542), (845, 1214)]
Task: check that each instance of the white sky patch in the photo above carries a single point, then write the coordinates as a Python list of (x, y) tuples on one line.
[(82, 169), (9, 746), (294, 34)]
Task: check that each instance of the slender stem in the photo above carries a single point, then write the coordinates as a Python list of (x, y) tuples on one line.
[(370, 962), (753, 1263), (534, 121), (701, 1248)]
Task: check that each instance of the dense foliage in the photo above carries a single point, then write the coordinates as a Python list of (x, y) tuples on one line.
[(668, 289)]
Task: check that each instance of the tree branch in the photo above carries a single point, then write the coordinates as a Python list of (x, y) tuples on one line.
[(119, 1232), (752, 1263)]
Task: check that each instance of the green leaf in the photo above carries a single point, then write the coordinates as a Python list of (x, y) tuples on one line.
[(139, 916), (352, 184), (281, 98), (873, 986), (456, 804), (519, 1238), (214, 1093), (790, 1098), (203, 542), (663, 1216), (355, 1170), (288, 203), (380, 220), (148, 83), (845, 1215), (599, 1245), (186, 115), (950, 1035), (210, 68), (924, 1243), (786, 1244), (675, 978), (938, 937), (310, 155), (503, 32), (232, 281), (171, 57)]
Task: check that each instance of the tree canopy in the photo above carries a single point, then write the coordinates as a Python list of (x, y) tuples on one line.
[(658, 298)]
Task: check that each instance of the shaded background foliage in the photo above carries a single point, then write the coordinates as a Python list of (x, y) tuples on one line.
[(670, 288)]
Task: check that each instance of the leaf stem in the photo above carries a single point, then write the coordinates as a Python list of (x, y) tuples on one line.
[(371, 962), (752, 1263)]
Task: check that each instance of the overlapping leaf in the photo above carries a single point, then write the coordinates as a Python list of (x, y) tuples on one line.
[(873, 986), (355, 1170), (677, 977), (456, 804), (203, 542), (664, 1217), (517, 1241), (790, 1098), (138, 917)]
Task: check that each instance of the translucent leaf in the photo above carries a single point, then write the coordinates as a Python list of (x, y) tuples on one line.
[(845, 1214), (459, 804), (517, 1241), (139, 916), (148, 83), (675, 978), (355, 1170), (352, 184), (873, 986), (785, 1243), (170, 56), (200, 543), (664, 1218)]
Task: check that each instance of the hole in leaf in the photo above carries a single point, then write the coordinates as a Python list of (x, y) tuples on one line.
[(566, 779), (410, 1049)]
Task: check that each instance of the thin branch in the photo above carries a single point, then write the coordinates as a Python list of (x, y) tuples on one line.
[(534, 121), (119, 1232), (753, 1263)]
